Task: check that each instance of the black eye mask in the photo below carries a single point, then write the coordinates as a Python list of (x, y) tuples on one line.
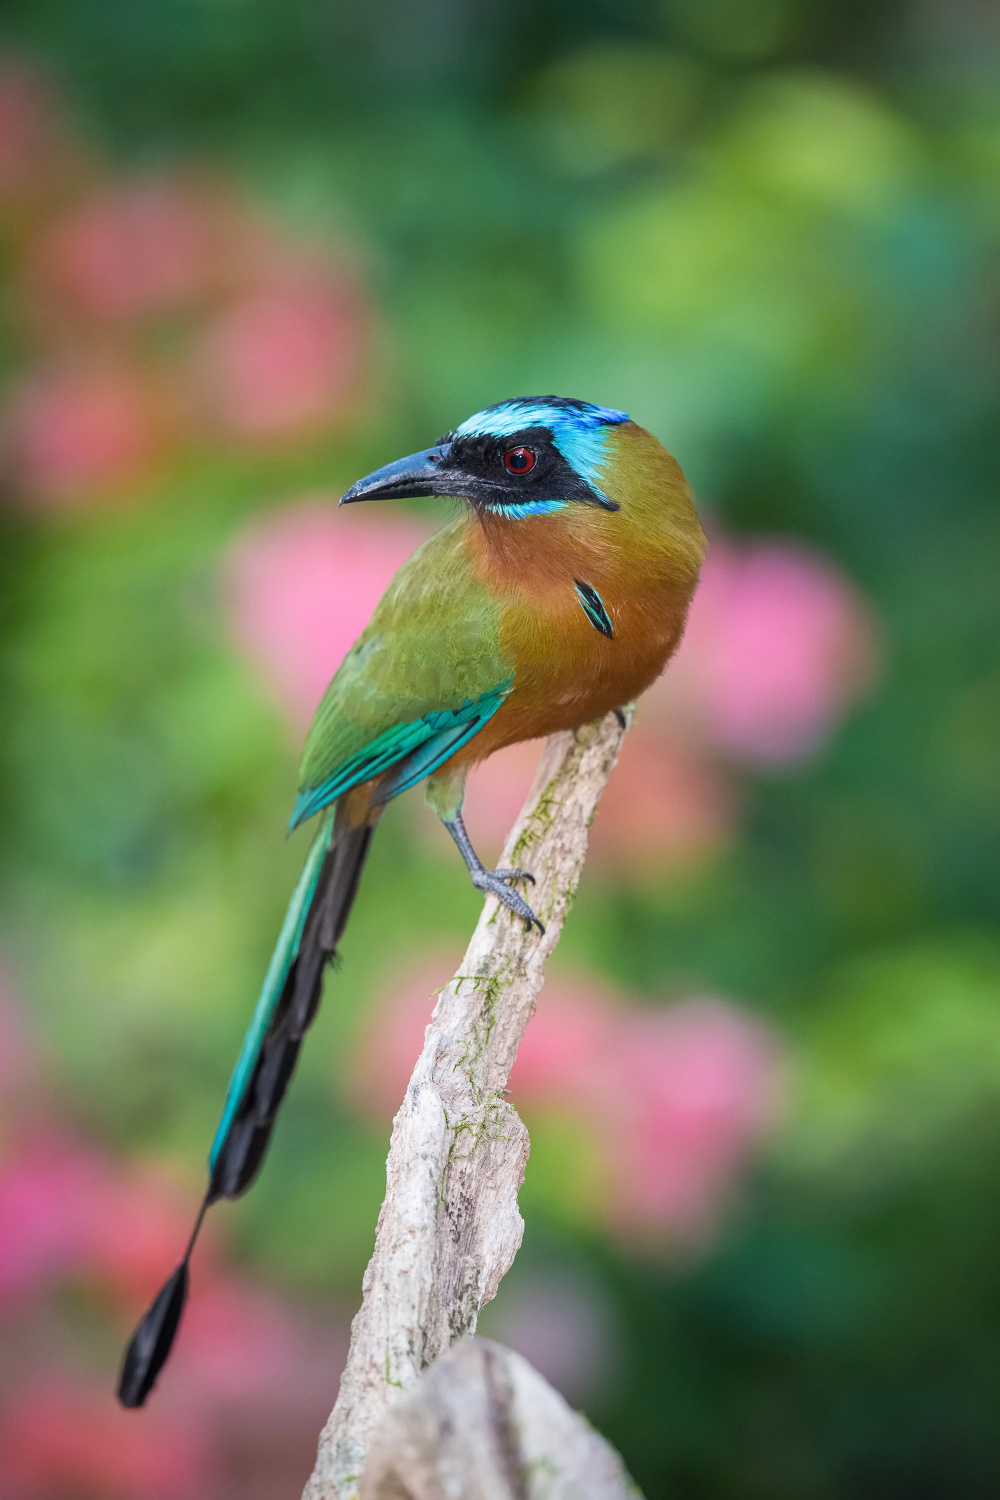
[(473, 468)]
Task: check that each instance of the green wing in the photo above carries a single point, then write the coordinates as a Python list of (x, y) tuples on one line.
[(425, 677)]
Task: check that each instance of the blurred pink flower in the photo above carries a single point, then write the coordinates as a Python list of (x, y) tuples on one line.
[(691, 1091), (17, 1055), (238, 1342), (260, 1375), (59, 1438), (301, 586), (250, 1382), (779, 644), (66, 1211), (28, 129), (662, 808), (131, 250), (73, 433), (286, 359), (142, 1224), (677, 1097), (69, 1214), (567, 1045)]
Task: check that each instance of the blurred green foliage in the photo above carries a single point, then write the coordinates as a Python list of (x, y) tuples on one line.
[(770, 231)]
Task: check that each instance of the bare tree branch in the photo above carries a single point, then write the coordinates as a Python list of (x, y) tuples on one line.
[(449, 1227), (483, 1425)]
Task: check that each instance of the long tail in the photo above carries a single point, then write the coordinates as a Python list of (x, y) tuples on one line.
[(314, 924)]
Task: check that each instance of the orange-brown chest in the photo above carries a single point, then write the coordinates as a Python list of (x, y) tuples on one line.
[(566, 671)]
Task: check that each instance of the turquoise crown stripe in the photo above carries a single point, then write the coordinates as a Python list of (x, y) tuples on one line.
[(579, 432), (510, 416), (274, 982)]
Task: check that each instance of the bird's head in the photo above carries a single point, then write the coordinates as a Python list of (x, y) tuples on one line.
[(523, 457)]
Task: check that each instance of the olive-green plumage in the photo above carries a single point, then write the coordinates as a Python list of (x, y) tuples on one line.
[(557, 595), (433, 644)]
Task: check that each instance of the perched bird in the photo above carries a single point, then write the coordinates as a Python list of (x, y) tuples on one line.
[(557, 594)]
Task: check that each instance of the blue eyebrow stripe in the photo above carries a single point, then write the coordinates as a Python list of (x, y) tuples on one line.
[(593, 608), (579, 431)]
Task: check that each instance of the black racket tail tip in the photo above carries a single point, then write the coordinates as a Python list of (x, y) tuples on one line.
[(151, 1343)]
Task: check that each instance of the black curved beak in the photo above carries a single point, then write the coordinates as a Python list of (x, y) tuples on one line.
[(406, 478)]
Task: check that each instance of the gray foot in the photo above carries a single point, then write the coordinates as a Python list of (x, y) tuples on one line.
[(492, 882)]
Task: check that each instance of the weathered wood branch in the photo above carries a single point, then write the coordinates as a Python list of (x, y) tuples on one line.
[(481, 1424), (449, 1227)]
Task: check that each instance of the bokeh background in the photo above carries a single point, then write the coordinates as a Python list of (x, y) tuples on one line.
[(252, 249)]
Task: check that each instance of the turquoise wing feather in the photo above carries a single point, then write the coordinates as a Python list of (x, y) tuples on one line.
[(441, 746), (417, 748)]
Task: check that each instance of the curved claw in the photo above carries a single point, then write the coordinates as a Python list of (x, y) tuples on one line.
[(491, 882), (513, 875)]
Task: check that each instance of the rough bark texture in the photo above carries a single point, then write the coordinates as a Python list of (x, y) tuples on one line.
[(449, 1227), (481, 1424)]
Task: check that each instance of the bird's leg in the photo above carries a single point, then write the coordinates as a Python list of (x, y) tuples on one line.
[(444, 793), (492, 882)]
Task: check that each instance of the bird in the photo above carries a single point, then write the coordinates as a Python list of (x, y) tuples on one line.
[(557, 594)]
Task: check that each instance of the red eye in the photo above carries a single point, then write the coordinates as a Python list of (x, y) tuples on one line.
[(518, 460)]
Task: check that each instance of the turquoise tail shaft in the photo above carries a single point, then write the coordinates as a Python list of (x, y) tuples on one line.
[(314, 923), (313, 926), (284, 955)]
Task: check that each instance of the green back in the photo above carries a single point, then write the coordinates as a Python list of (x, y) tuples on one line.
[(431, 649)]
